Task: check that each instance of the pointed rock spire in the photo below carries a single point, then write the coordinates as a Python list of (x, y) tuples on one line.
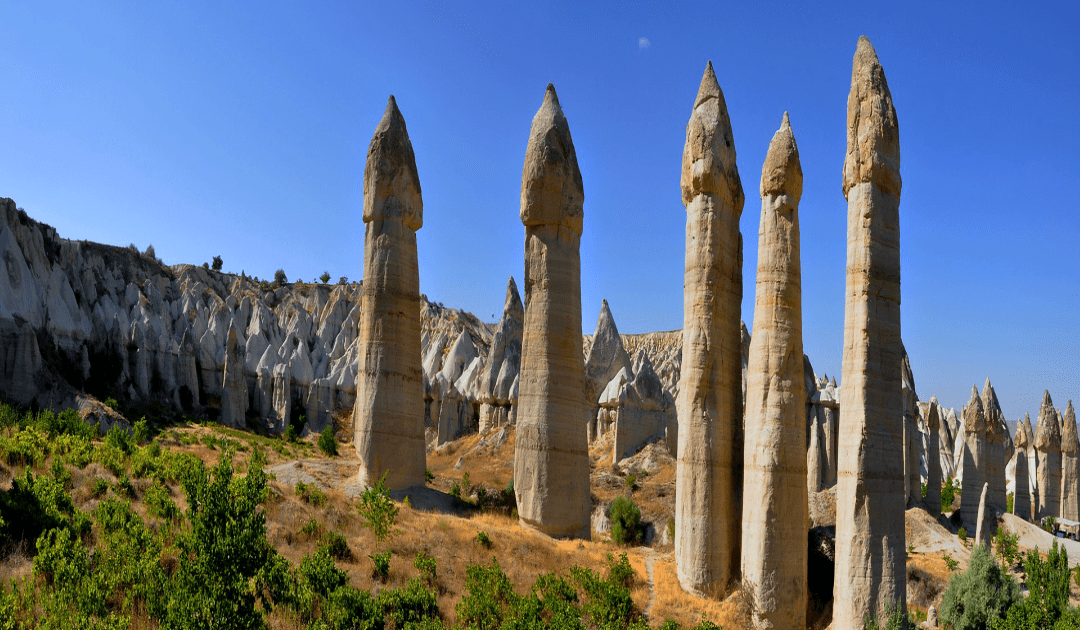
[(388, 415), (1069, 441), (551, 188), (1049, 460), (551, 460), (1070, 467), (708, 484), (873, 153), (782, 172), (775, 451), (1047, 429), (974, 414), (870, 487), (606, 355)]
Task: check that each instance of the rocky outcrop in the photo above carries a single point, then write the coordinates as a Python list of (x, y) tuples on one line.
[(604, 359), (1048, 447), (823, 407), (775, 520), (1070, 467), (388, 418), (551, 460), (635, 408), (234, 398), (498, 389), (974, 458), (912, 437), (998, 448), (1021, 493), (870, 578), (708, 486)]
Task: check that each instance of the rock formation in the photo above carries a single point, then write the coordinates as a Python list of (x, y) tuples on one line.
[(605, 359), (1021, 492), (708, 486), (974, 459), (912, 437), (775, 520), (388, 418), (551, 460), (498, 407), (1070, 467), (985, 519), (933, 458), (998, 444), (636, 407), (1048, 447), (870, 578), (234, 396)]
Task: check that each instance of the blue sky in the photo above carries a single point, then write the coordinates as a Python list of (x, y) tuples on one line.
[(241, 131)]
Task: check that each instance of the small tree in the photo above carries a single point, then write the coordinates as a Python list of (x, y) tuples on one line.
[(378, 510), (625, 521), (150, 253), (327, 443), (980, 596), (948, 494), (325, 277), (216, 266), (280, 279)]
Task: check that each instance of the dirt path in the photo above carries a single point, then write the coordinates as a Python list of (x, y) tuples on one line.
[(650, 560)]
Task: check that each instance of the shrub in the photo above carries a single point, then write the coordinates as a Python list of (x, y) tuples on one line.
[(217, 263), (327, 443), (671, 530), (428, 475), (625, 521), (378, 511), (310, 493), (118, 438), (123, 487), (950, 563), (1006, 545), (111, 403), (483, 539), (948, 495), (1009, 501), (99, 487), (325, 277), (979, 596), (280, 279), (140, 432), (962, 534), (321, 574), (159, 503), (336, 546), (312, 529), (426, 565), (290, 433), (631, 482), (380, 565)]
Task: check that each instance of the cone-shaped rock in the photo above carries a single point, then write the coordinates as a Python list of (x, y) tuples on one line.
[(1033, 462), (997, 437), (774, 522), (1048, 447), (932, 501), (234, 397), (1021, 494), (606, 357), (388, 415), (1070, 467), (708, 485), (870, 578), (503, 362), (985, 518), (975, 456), (551, 461)]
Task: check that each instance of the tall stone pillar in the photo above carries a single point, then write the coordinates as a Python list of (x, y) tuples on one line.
[(774, 523), (1021, 494), (1070, 467), (997, 435), (1048, 447), (551, 460), (932, 501), (912, 442), (708, 478), (388, 415), (975, 458), (234, 399), (870, 577)]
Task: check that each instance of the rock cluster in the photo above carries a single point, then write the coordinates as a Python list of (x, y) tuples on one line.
[(708, 485), (870, 578), (551, 461), (499, 386), (1070, 467)]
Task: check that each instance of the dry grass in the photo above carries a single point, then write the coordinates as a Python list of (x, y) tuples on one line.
[(672, 602)]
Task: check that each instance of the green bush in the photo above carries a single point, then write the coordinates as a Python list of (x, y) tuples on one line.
[(948, 495), (35, 504), (979, 596), (327, 443), (310, 493), (378, 511), (312, 529), (120, 439), (321, 574), (290, 433), (380, 565), (625, 521), (99, 487), (426, 565), (159, 503), (483, 539), (1047, 603), (336, 546)]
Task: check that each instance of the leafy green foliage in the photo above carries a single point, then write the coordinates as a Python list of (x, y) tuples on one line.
[(896, 619), (378, 511), (159, 503), (948, 495), (327, 443), (426, 565), (1047, 603), (981, 595), (325, 277), (310, 493), (380, 565), (1006, 545), (625, 521), (336, 546), (36, 504), (483, 539), (1009, 501), (631, 482), (216, 264)]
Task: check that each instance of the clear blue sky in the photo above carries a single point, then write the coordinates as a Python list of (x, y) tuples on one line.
[(241, 131)]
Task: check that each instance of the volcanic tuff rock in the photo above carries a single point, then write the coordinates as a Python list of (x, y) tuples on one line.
[(998, 447), (985, 520), (605, 358), (932, 501), (1021, 493), (912, 436), (635, 407), (708, 486), (775, 519), (234, 396), (1070, 467), (498, 407), (1048, 447), (870, 578), (551, 460), (975, 458), (388, 418)]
